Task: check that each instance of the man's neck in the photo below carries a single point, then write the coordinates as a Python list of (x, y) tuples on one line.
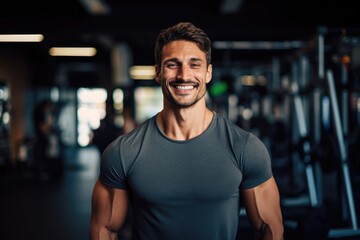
[(184, 123)]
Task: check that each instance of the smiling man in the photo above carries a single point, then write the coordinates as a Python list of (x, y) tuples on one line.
[(185, 171)]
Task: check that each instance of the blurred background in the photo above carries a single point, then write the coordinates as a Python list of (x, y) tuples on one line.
[(75, 74)]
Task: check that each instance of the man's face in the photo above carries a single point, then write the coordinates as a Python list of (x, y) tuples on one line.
[(183, 73)]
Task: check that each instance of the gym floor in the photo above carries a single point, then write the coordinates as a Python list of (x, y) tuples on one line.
[(32, 210)]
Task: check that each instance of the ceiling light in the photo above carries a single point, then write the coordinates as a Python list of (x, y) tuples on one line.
[(257, 45), (142, 72), (21, 37), (73, 51)]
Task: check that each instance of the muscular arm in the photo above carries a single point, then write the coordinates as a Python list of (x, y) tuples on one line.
[(262, 204), (108, 212)]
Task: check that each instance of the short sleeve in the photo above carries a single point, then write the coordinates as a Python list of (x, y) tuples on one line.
[(257, 163), (112, 173)]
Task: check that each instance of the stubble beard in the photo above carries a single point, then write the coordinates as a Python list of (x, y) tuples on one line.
[(178, 104)]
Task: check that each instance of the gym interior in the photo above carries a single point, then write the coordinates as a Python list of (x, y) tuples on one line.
[(289, 73)]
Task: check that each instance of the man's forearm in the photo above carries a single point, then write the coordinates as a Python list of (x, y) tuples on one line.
[(103, 233), (266, 233)]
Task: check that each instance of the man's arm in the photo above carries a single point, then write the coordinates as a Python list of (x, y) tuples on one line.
[(108, 212), (262, 204)]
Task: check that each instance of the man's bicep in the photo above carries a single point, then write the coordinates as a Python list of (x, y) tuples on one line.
[(109, 207), (262, 204), (257, 164)]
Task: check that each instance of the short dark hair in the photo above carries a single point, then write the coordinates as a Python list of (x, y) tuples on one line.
[(183, 31)]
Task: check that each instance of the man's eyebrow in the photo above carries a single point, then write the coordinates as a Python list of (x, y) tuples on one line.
[(194, 59), (171, 60)]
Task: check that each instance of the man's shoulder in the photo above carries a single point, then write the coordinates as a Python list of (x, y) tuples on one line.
[(140, 128), (135, 134), (130, 142), (225, 122)]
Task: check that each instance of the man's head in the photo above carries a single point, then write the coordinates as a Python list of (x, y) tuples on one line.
[(183, 67), (183, 31)]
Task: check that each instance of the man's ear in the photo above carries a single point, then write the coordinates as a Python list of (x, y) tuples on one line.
[(209, 73), (157, 74)]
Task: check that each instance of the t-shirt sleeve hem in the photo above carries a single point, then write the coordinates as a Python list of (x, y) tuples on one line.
[(256, 183), (110, 184)]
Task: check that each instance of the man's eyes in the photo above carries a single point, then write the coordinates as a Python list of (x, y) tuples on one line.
[(172, 65), (195, 65), (176, 65)]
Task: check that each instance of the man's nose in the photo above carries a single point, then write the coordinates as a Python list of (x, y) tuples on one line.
[(183, 73)]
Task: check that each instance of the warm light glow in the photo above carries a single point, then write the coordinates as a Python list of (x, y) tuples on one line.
[(73, 51), (21, 37), (96, 7), (142, 72), (248, 80)]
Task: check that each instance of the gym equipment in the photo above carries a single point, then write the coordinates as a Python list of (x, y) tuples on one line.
[(354, 230), (328, 83), (305, 149), (328, 149)]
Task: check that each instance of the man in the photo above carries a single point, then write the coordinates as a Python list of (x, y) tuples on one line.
[(184, 171)]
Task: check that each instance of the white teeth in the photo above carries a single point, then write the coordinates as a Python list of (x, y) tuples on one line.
[(184, 87)]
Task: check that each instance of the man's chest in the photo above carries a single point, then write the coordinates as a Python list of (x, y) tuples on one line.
[(181, 173)]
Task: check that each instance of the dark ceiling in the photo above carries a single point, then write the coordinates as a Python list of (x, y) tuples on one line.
[(137, 22)]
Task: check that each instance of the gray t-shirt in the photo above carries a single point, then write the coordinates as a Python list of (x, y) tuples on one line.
[(186, 189)]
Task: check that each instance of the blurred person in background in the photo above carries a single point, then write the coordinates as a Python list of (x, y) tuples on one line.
[(48, 158)]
